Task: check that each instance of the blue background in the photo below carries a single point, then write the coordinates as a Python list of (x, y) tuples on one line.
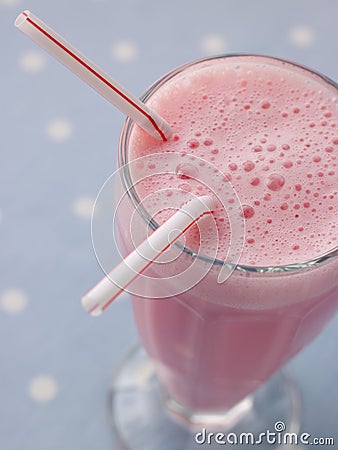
[(45, 246)]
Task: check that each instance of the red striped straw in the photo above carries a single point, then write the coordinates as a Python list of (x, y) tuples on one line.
[(112, 91), (110, 287)]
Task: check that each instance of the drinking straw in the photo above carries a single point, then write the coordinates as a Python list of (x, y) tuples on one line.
[(111, 286), (112, 91)]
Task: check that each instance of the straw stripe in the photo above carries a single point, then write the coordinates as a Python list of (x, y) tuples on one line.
[(109, 288), (104, 79), (105, 306)]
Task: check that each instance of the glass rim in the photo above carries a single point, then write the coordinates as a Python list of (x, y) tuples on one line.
[(136, 201)]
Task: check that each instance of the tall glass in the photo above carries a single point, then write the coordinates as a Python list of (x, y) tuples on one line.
[(210, 350)]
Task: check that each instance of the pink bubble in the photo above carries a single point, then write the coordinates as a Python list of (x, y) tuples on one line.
[(265, 105), (208, 142), (248, 166), (257, 148), (248, 211), (255, 181), (185, 187), (193, 143), (186, 171), (271, 148), (275, 182), (316, 159), (288, 164), (284, 206), (233, 166)]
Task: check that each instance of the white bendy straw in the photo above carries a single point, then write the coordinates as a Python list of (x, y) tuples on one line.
[(111, 286), (112, 91)]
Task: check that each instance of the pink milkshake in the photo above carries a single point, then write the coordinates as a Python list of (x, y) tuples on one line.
[(271, 127)]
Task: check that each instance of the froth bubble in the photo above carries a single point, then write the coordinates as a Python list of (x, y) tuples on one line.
[(185, 187), (248, 166), (255, 181), (208, 142), (248, 211), (288, 164), (275, 182), (193, 143), (233, 166), (265, 105), (186, 171)]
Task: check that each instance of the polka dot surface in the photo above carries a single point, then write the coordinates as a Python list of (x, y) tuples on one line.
[(59, 130), (83, 207), (48, 262), (10, 2), (13, 301), (124, 51), (32, 61), (213, 44), (143, 374), (42, 388), (301, 36)]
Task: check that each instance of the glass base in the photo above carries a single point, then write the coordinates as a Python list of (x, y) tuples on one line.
[(143, 417)]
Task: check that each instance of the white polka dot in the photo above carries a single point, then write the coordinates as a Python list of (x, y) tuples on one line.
[(9, 2), (83, 207), (301, 36), (59, 130), (32, 61), (42, 388), (124, 51), (143, 373), (213, 44), (13, 301)]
